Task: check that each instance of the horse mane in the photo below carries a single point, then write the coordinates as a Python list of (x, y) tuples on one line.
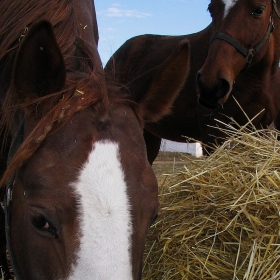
[(85, 83)]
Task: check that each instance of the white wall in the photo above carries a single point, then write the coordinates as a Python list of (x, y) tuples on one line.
[(189, 148)]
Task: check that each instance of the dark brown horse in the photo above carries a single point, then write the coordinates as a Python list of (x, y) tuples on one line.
[(236, 55), (80, 192)]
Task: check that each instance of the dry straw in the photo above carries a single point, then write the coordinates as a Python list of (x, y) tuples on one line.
[(219, 216)]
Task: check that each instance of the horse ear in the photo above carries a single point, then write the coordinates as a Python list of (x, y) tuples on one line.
[(39, 66), (166, 84)]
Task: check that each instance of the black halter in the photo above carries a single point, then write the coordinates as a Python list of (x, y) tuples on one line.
[(275, 8), (16, 142), (249, 53)]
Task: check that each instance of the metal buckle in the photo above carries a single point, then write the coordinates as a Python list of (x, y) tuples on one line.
[(9, 196), (9, 193), (250, 56)]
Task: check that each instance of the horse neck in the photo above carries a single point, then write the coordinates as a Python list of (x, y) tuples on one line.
[(199, 45), (87, 28), (86, 21)]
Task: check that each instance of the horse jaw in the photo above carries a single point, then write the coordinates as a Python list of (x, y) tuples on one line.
[(105, 223)]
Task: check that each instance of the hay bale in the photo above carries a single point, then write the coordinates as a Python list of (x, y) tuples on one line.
[(219, 217)]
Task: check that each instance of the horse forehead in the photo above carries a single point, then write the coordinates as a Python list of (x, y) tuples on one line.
[(105, 221), (228, 5)]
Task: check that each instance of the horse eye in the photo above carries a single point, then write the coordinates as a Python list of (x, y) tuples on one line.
[(41, 223), (259, 11)]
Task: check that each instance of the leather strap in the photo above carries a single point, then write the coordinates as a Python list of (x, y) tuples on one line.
[(16, 142)]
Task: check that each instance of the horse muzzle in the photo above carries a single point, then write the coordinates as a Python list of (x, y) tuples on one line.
[(213, 95)]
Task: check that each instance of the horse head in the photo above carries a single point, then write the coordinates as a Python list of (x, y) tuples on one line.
[(83, 192), (243, 36)]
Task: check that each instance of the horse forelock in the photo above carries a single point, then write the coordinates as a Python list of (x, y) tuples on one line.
[(78, 96)]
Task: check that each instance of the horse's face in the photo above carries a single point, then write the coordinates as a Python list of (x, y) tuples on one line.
[(82, 204), (248, 24)]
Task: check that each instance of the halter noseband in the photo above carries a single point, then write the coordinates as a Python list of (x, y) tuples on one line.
[(249, 53), (16, 142)]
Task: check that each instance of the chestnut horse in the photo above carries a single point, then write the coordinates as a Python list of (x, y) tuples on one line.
[(236, 55), (80, 193)]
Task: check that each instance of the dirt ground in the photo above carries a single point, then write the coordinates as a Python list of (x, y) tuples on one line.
[(168, 163)]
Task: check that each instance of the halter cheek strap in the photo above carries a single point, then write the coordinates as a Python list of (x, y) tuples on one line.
[(16, 142), (8, 239), (275, 8)]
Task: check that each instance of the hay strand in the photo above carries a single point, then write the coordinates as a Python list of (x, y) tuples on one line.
[(219, 216)]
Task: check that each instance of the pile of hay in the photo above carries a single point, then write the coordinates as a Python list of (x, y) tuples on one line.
[(219, 217)]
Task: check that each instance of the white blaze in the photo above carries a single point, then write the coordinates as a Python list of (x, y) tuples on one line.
[(105, 222), (228, 5)]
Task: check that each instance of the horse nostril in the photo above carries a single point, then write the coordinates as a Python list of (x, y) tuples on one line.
[(223, 88), (212, 93)]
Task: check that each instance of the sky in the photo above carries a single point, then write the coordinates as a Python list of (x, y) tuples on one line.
[(119, 20)]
